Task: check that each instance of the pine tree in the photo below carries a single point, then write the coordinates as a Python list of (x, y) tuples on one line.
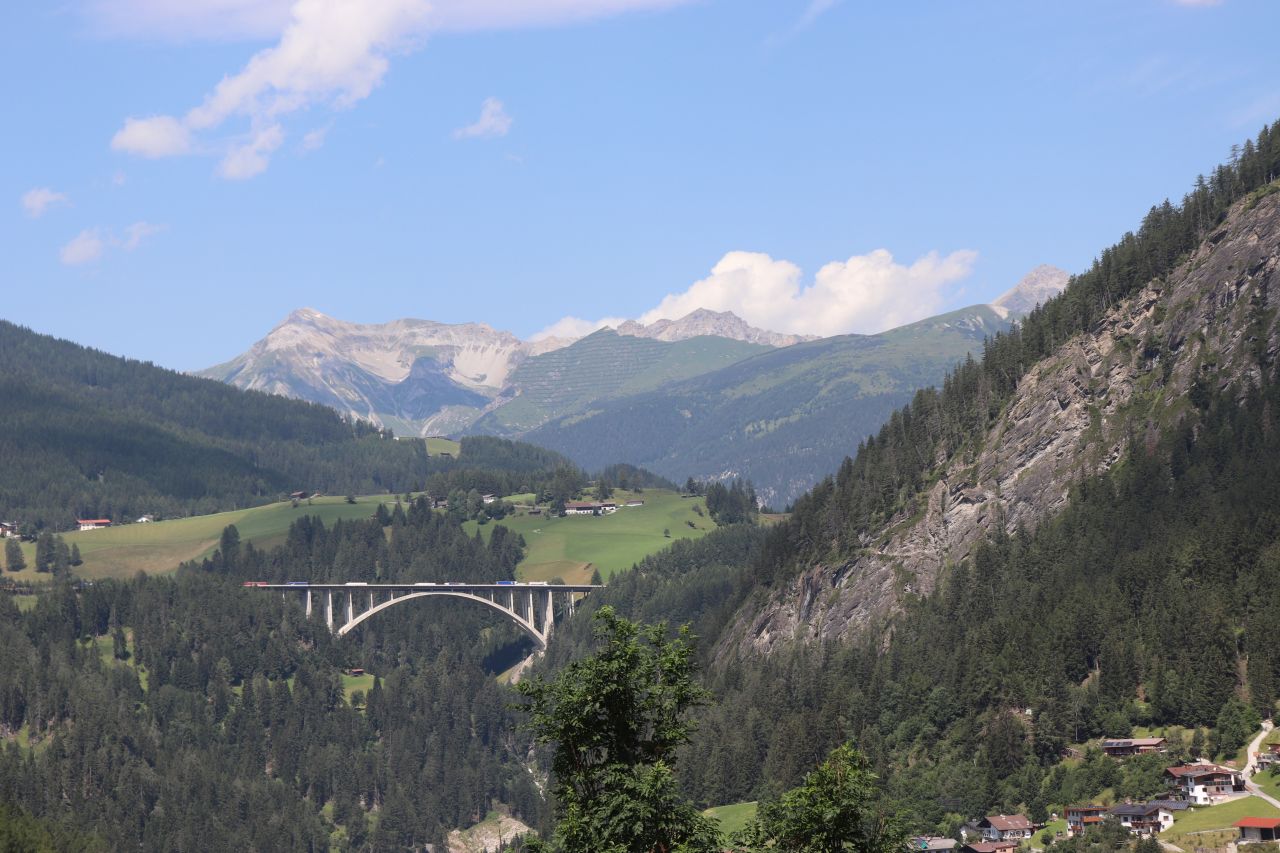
[(14, 561)]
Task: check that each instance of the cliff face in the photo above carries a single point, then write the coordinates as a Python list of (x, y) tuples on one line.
[(1072, 415)]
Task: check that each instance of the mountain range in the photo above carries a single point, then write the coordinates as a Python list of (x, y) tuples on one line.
[(706, 395)]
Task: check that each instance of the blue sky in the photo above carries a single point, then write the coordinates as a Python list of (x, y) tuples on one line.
[(823, 167)]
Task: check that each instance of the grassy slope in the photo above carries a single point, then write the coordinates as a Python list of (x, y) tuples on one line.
[(1212, 826), (572, 546), (437, 445), (160, 546), (734, 817)]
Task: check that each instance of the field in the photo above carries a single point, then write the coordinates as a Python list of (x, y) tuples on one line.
[(160, 546), (571, 547), (733, 818), (352, 683), (437, 445), (1213, 826)]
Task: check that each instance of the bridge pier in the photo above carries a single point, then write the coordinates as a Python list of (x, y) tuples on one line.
[(308, 604), (328, 608)]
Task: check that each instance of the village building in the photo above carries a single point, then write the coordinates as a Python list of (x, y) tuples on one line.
[(93, 523), (1124, 747), (1258, 829), (488, 498), (1005, 827), (8, 528), (1147, 818), (300, 495), (635, 502), (590, 507), (1268, 757), (1080, 818), (1203, 783)]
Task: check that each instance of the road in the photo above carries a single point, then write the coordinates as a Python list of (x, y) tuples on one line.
[(1250, 765)]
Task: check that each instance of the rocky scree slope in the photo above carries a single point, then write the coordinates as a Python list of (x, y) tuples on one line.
[(1072, 415)]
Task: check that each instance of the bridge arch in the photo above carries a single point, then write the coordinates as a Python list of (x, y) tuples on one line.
[(523, 624)]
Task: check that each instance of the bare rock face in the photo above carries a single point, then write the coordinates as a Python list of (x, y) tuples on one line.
[(1072, 416), (1036, 288), (720, 324)]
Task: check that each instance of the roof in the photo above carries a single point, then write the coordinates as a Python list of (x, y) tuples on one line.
[(932, 843), (1087, 807), (1259, 822), (1006, 822), (93, 521), (990, 846), (1194, 770), (1134, 809), (1132, 741), (1171, 805)]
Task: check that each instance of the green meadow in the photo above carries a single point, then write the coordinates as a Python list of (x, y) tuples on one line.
[(572, 547), (733, 818), (159, 546)]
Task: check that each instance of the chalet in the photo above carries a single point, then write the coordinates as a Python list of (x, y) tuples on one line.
[(634, 502), (1203, 784), (1268, 757), (1256, 829), (1080, 818), (300, 495), (145, 519), (590, 508), (932, 844), (488, 498), (93, 523), (1124, 747), (1147, 818), (1006, 827), (8, 528)]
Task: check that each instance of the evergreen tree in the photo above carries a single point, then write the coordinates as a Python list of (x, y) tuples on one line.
[(14, 561)]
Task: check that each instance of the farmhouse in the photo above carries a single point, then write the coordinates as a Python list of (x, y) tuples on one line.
[(300, 495), (8, 528), (1080, 818), (590, 508), (1004, 827), (1256, 829), (488, 498), (1147, 818), (634, 502), (93, 523), (1268, 757), (1202, 783), (1123, 747)]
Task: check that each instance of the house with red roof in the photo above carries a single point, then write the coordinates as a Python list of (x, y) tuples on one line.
[(1006, 827), (1258, 829), (93, 523), (1203, 783)]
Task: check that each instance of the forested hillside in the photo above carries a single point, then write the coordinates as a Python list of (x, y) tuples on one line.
[(84, 434), (208, 716), (783, 418), (1147, 597)]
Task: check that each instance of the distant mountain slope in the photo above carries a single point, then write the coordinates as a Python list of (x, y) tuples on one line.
[(702, 322), (1036, 288), (419, 377), (602, 366), (783, 418)]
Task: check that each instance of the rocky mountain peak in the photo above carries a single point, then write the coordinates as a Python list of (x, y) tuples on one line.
[(1036, 287), (704, 321)]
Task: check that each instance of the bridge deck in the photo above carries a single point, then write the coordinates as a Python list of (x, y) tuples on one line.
[(427, 587)]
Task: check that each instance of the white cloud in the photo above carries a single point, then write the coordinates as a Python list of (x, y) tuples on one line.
[(36, 201), (314, 139), (90, 244), (330, 53), (266, 19), (250, 158), (157, 136), (493, 121), (136, 233), (84, 247), (865, 294)]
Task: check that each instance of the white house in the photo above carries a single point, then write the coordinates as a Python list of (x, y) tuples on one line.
[(1006, 827), (93, 523), (1204, 784)]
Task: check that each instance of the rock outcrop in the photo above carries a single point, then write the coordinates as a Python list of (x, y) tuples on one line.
[(1072, 415)]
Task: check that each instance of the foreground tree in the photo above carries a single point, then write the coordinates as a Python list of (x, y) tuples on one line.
[(833, 810), (614, 721)]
